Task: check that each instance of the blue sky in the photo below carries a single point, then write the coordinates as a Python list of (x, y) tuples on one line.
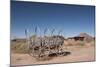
[(72, 19)]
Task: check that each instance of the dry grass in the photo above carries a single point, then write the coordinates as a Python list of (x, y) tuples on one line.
[(19, 47), (78, 43)]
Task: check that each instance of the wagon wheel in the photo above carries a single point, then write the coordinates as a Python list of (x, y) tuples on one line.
[(60, 51), (42, 57), (33, 53), (30, 51), (43, 54)]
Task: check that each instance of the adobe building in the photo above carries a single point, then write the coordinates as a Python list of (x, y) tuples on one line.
[(76, 38)]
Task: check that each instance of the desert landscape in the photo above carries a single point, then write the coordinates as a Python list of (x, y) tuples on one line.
[(49, 33), (80, 48)]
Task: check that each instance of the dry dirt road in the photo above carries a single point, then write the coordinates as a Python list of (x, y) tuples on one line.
[(78, 54)]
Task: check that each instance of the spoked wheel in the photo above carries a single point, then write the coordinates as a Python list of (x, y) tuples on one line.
[(60, 51), (30, 52), (33, 53), (42, 57), (39, 54)]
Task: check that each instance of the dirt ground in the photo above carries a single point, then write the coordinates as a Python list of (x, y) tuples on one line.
[(78, 54)]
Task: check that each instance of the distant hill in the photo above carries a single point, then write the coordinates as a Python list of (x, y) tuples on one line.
[(19, 40), (86, 36)]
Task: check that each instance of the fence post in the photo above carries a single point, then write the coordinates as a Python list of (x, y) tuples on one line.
[(27, 38)]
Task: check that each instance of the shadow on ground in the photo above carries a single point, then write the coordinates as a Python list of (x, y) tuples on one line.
[(59, 54)]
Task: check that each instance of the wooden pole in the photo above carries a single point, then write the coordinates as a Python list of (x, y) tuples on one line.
[(27, 37)]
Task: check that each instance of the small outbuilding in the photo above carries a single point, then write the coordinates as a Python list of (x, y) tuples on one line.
[(77, 38)]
